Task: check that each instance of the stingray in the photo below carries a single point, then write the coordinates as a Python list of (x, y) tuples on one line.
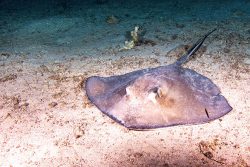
[(159, 97)]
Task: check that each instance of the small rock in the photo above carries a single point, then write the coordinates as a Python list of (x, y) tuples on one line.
[(247, 60), (53, 104), (4, 56), (248, 31), (179, 25), (112, 19), (174, 36), (208, 154), (78, 131), (226, 50), (8, 78)]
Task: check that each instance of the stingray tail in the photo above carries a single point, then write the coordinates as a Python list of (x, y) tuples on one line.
[(193, 49)]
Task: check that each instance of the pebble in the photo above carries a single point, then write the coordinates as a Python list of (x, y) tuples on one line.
[(247, 60), (78, 132)]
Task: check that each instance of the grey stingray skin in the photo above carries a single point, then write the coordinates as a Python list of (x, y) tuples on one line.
[(159, 97)]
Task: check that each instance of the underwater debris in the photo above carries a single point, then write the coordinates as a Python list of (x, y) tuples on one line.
[(135, 38), (79, 131), (112, 19), (16, 103), (208, 149), (53, 104), (237, 13), (128, 45), (135, 34), (178, 25), (226, 50), (4, 56), (247, 60), (8, 78)]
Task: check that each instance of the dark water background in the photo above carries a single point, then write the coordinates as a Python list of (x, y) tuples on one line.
[(211, 9), (82, 24)]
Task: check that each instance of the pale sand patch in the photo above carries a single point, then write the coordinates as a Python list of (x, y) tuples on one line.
[(47, 120)]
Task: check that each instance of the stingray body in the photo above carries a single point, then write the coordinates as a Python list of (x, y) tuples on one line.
[(159, 97)]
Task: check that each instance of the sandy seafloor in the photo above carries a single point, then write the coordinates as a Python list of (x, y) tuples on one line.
[(46, 118)]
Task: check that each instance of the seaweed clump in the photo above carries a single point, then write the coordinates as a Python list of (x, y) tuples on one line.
[(136, 38), (112, 19), (8, 78)]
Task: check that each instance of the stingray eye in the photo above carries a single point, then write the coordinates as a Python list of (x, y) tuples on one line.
[(154, 90), (160, 92), (152, 94), (157, 91)]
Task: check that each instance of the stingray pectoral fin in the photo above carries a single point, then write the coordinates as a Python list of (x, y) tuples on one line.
[(95, 87), (208, 94), (217, 107), (103, 93)]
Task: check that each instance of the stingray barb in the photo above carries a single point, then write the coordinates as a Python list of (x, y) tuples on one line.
[(193, 49), (159, 97)]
